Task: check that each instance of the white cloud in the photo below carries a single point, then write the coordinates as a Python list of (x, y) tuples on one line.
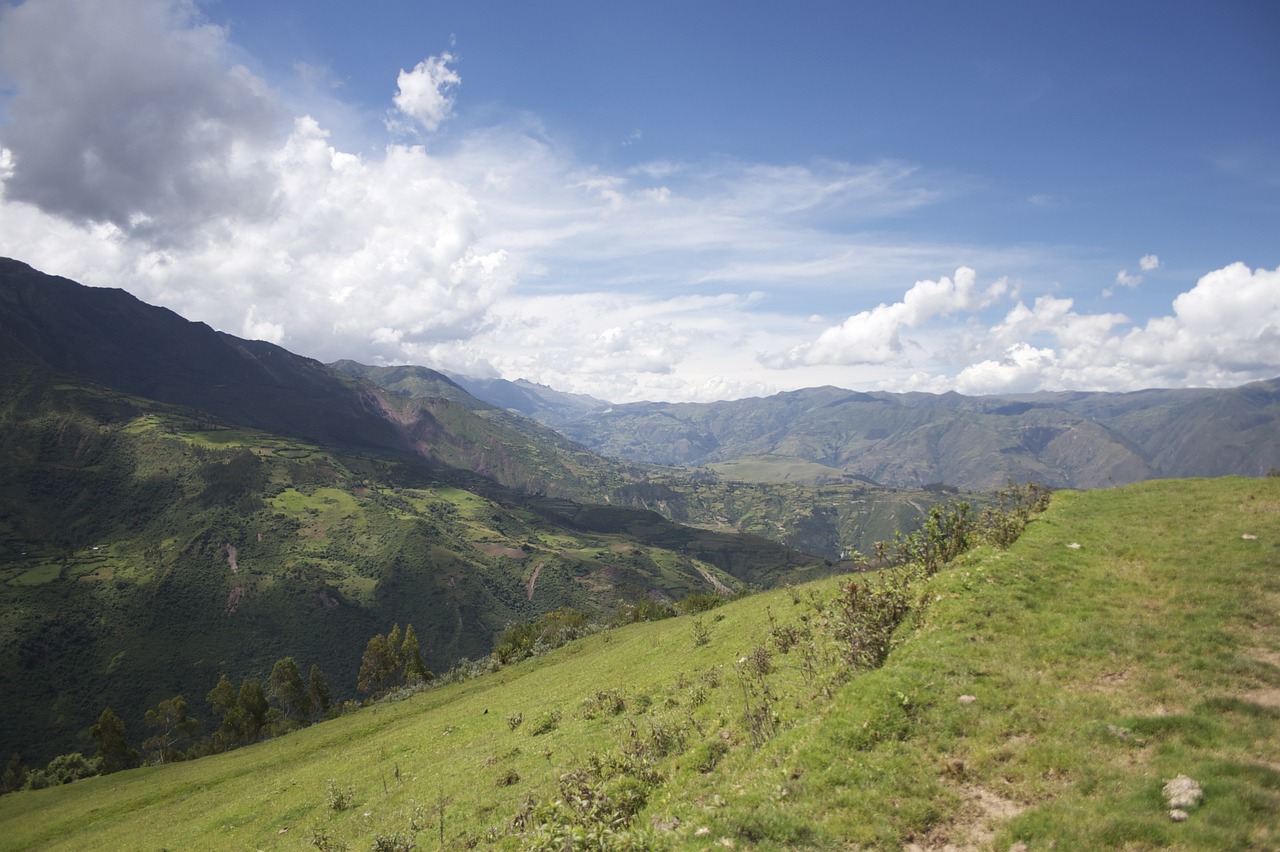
[(1223, 331), (1023, 368), (875, 336), (130, 112), (1147, 263), (425, 94), (1227, 325), (1124, 279), (136, 152)]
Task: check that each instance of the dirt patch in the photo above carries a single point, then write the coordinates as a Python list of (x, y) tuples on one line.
[(975, 824), (1267, 696), (533, 578), (231, 558), (1112, 681), (720, 587), (494, 549)]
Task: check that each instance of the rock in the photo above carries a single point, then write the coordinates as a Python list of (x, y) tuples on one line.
[(1178, 815), (1183, 792), (968, 699)]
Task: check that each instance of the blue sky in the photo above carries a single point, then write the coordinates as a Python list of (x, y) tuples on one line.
[(683, 201)]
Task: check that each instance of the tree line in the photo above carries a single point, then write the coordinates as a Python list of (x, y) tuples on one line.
[(254, 711)]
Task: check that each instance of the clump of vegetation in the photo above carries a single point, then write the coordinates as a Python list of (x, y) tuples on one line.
[(338, 798), (391, 661), (546, 723), (605, 702), (527, 639)]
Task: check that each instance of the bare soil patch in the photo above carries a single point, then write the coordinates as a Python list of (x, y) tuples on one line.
[(979, 817)]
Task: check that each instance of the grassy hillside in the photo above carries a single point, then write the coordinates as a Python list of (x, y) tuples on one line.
[(145, 550), (1043, 695)]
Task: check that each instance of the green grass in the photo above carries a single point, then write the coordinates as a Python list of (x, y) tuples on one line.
[(1090, 675)]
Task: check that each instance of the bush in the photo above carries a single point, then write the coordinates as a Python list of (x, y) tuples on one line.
[(547, 723), (337, 798)]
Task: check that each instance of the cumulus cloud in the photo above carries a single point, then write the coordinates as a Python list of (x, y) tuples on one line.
[(875, 336), (130, 112), (1223, 331), (136, 152), (425, 94), (1227, 326), (1147, 263)]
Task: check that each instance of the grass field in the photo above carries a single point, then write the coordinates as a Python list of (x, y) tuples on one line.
[(1043, 695)]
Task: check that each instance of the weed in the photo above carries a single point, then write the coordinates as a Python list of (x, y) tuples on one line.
[(707, 755), (546, 723), (338, 798), (322, 841), (758, 698), (701, 633), (515, 720), (392, 842), (610, 702)]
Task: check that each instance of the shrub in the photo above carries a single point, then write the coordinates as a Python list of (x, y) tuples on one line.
[(546, 723), (337, 798)]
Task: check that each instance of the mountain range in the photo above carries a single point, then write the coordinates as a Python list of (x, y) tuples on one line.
[(907, 440), (178, 504)]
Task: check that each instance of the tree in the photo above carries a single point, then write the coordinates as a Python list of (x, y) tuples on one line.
[(171, 724), (252, 707), (15, 774), (113, 751), (319, 691), (289, 690), (222, 698), (377, 666), (66, 768), (226, 706), (413, 669)]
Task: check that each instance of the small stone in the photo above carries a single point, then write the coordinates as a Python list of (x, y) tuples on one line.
[(1075, 545), (1249, 537), (667, 824), (1018, 847), (1183, 792), (968, 699), (1178, 815), (702, 831)]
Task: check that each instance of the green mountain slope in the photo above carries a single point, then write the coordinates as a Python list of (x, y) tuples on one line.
[(1043, 696), (808, 506), (177, 504), (1074, 440)]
